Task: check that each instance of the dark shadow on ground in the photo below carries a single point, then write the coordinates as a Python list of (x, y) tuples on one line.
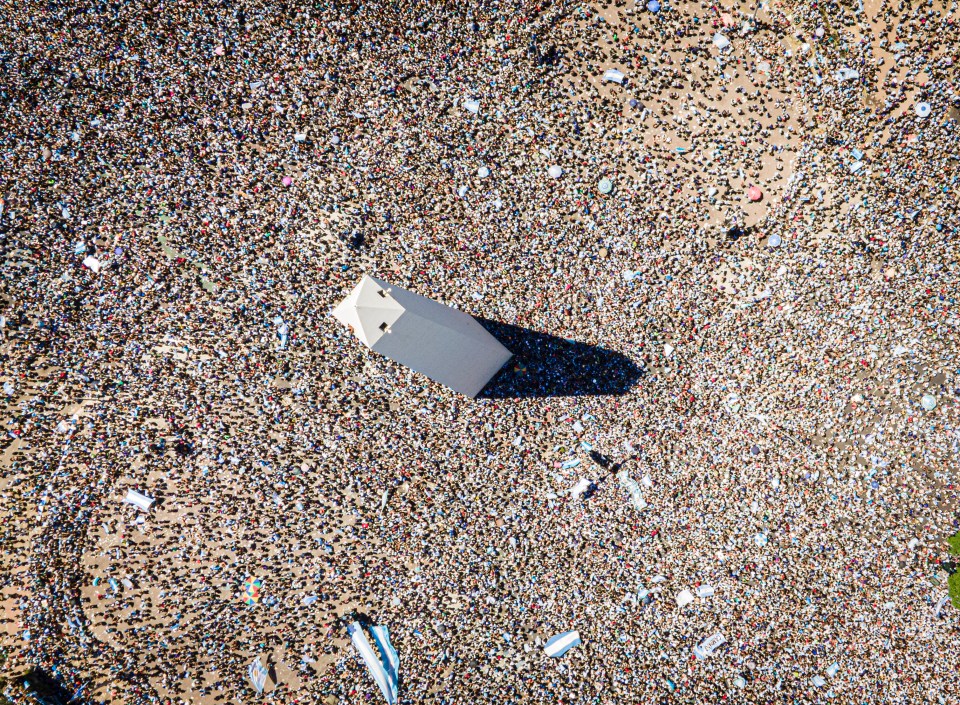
[(547, 366)]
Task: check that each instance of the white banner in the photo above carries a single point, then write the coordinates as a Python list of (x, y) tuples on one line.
[(709, 645)]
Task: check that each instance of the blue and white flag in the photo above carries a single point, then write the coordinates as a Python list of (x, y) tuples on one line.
[(389, 657), (258, 674), (560, 644), (386, 676)]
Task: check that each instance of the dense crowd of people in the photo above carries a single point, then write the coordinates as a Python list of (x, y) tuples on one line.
[(753, 325)]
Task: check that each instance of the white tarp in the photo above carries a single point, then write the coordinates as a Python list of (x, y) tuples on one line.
[(709, 645), (385, 673), (93, 264), (472, 105), (258, 675), (684, 598), (141, 501), (705, 591), (720, 41), (560, 644), (445, 344)]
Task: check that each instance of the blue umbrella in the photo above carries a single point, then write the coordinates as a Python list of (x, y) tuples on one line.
[(653, 6)]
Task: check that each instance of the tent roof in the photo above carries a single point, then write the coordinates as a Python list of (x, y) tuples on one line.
[(368, 310)]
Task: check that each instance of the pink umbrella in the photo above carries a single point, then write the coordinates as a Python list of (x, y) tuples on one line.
[(754, 194), (287, 181)]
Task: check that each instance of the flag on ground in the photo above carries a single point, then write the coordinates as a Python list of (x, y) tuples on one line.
[(258, 674), (560, 644)]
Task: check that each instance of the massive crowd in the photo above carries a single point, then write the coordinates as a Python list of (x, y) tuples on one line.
[(766, 296)]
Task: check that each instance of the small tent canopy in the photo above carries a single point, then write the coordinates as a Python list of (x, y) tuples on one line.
[(140, 501)]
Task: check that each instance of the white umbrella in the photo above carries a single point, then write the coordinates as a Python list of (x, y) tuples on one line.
[(923, 109), (606, 185), (555, 171)]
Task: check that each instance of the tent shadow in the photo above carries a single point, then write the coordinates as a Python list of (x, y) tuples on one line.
[(545, 365)]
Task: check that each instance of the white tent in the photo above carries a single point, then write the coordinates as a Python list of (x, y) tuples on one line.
[(445, 344), (141, 501)]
